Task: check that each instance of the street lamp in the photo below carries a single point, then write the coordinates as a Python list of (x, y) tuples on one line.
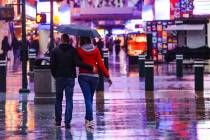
[(24, 51), (51, 26)]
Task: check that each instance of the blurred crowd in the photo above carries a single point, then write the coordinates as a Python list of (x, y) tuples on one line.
[(14, 49)]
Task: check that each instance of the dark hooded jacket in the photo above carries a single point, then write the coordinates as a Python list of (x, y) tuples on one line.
[(64, 60)]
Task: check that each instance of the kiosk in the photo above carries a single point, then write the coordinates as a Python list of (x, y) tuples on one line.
[(192, 39), (137, 44)]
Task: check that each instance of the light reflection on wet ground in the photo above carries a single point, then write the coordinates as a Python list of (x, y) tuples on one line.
[(148, 117), (125, 111)]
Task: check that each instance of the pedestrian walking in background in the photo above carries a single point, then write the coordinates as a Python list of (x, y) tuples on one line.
[(64, 60), (100, 45), (16, 52), (5, 47), (34, 45), (88, 81), (117, 46), (110, 45)]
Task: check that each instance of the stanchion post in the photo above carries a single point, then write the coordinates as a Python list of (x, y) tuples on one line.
[(149, 75), (179, 65), (3, 73), (105, 53), (24, 49), (141, 65), (198, 70), (100, 82), (32, 57), (105, 57)]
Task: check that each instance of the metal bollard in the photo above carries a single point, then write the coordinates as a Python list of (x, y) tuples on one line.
[(150, 106), (200, 105), (149, 75), (199, 68), (105, 57), (106, 63), (3, 73), (32, 57), (179, 65), (141, 65), (100, 82)]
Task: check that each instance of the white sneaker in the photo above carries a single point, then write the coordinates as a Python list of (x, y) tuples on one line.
[(89, 123)]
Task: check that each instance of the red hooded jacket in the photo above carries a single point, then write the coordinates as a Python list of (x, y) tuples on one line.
[(92, 57)]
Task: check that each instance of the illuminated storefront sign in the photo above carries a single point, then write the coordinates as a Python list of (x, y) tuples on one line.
[(2, 2), (149, 2), (147, 13), (6, 13), (137, 44), (44, 7), (134, 26), (30, 11), (102, 32), (32, 2), (181, 8), (161, 40), (64, 14), (201, 7), (148, 10), (118, 31), (160, 12), (172, 8), (105, 10)]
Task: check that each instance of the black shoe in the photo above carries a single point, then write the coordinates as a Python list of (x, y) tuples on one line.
[(67, 126), (58, 124)]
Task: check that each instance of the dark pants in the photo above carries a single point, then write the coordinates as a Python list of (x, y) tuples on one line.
[(5, 53), (16, 54), (117, 49), (88, 85), (62, 84)]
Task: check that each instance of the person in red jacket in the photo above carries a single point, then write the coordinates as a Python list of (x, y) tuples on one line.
[(88, 81)]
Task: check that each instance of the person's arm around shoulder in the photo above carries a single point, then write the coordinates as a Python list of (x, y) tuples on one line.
[(78, 62), (109, 81)]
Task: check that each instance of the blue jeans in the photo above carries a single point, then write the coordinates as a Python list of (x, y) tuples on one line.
[(88, 85), (62, 84)]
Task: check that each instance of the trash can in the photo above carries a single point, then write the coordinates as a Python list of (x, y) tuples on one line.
[(44, 83)]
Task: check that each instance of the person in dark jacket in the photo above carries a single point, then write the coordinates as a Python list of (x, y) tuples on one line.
[(100, 45), (5, 47), (16, 51), (117, 46), (34, 45), (64, 60)]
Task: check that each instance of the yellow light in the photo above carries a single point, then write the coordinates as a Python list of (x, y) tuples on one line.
[(38, 18), (56, 19)]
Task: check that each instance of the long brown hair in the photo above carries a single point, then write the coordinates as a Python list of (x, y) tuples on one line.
[(65, 39), (85, 40)]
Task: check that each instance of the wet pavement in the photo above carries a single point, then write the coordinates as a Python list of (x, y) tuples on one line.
[(174, 111)]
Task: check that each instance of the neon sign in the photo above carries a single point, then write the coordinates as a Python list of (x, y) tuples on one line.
[(201, 7)]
